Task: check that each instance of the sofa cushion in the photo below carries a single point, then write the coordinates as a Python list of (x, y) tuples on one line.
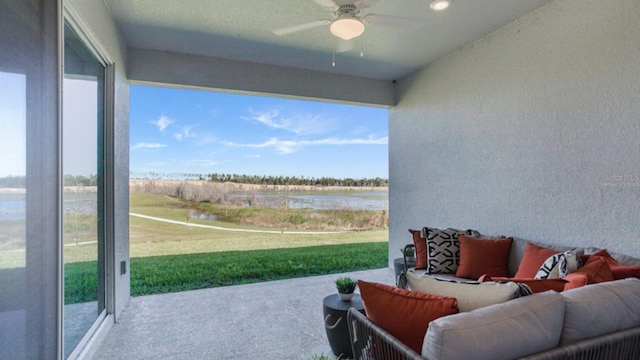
[(444, 248), (601, 309), (420, 245), (404, 314), (470, 295), (623, 259), (559, 265), (509, 330), (533, 258), (483, 256)]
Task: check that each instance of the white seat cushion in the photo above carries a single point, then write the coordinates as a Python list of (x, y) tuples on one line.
[(600, 309), (510, 330), (470, 295)]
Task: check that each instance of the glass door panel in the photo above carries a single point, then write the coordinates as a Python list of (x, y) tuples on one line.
[(83, 189), (29, 179), (13, 123)]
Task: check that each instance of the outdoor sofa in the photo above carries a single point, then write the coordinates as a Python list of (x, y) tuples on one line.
[(521, 301)]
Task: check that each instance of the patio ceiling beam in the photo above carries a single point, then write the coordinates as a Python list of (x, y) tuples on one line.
[(194, 71)]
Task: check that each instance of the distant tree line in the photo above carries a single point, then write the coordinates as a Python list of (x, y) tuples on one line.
[(80, 180), (69, 180), (12, 182), (276, 180)]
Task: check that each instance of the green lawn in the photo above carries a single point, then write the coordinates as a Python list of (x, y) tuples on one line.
[(172, 273), (169, 257)]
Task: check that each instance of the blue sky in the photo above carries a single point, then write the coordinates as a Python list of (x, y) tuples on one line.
[(190, 131), (13, 123)]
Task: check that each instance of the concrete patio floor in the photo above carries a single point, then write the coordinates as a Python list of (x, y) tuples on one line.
[(277, 320)]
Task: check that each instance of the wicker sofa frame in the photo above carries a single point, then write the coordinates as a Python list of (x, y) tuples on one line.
[(371, 342)]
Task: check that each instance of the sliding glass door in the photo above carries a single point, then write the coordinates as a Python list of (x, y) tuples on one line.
[(29, 179), (83, 190), (56, 183)]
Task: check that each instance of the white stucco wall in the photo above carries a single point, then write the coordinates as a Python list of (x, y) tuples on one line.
[(518, 133)]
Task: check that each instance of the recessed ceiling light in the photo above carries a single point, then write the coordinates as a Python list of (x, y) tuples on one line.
[(439, 5)]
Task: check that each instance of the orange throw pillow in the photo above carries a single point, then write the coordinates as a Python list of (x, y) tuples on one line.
[(576, 280), (625, 271), (619, 271), (421, 249), (404, 314), (533, 258), (606, 256), (596, 270), (483, 256)]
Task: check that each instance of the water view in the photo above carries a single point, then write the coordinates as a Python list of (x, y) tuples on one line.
[(13, 205), (318, 200), (77, 207)]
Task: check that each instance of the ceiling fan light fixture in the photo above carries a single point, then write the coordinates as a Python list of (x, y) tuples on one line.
[(347, 27), (439, 5)]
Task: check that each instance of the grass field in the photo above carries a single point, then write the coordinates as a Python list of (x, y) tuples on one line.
[(168, 257), (153, 238), (172, 273)]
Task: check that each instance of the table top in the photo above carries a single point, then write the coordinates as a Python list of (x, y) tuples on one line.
[(334, 302)]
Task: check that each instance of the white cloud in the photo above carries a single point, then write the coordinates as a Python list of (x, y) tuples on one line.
[(207, 140), (299, 124), (291, 146), (359, 130), (184, 134), (267, 118), (162, 123), (144, 145), (202, 162)]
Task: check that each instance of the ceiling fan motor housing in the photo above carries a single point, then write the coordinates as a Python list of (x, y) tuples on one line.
[(347, 10)]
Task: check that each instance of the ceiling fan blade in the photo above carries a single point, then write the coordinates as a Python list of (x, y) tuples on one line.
[(300, 27), (330, 5), (344, 45), (363, 4), (392, 21)]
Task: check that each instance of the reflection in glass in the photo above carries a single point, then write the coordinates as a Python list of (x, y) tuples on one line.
[(82, 193), (13, 120)]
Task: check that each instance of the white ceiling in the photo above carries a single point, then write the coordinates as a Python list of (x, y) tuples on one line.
[(241, 30)]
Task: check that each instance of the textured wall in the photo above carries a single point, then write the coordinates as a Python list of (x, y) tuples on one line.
[(532, 131)]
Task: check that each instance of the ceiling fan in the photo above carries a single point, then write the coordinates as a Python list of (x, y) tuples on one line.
[(348, 20)]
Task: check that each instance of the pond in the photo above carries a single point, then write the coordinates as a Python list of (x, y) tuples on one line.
[(318, 200)]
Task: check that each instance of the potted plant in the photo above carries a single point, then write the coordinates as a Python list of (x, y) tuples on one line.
[(409, 256), (408, 252), (346, 286)]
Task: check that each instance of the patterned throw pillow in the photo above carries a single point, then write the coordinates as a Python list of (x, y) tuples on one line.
[(559, 266), (444, 248)]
